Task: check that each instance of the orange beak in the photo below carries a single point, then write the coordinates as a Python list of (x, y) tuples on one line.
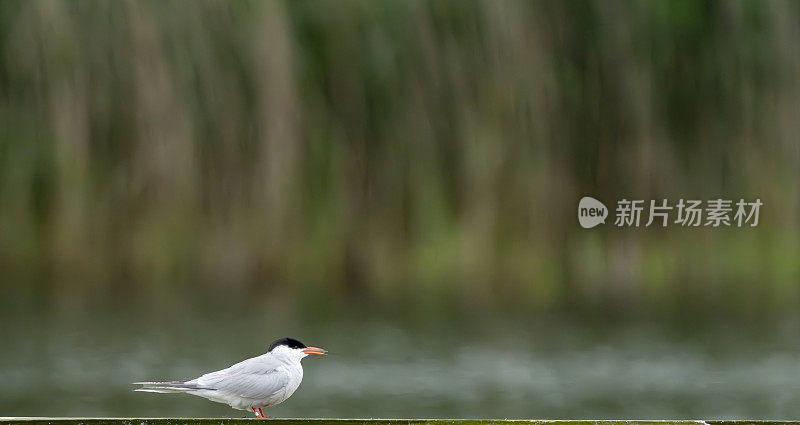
[(315, 351)]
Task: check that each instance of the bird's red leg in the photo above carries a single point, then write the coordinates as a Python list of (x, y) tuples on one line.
[(260, 413)]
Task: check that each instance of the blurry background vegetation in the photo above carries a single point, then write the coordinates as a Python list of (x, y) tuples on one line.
[(196, 178), (422, 153)]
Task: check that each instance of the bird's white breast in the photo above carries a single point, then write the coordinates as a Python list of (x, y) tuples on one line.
[(295, 374)]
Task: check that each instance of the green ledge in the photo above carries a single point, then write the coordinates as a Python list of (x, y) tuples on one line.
[(224, 421)]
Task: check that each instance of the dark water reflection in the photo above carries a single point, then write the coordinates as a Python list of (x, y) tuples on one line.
[(387, 368)]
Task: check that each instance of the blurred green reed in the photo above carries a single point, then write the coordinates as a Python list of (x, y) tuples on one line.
[(429, 153)]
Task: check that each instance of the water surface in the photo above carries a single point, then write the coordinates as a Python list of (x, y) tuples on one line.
[(390, 368)]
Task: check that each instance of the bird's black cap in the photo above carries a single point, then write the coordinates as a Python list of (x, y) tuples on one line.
[(289, 342)]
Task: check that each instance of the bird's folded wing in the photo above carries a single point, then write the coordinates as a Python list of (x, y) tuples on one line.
[(246, 382)]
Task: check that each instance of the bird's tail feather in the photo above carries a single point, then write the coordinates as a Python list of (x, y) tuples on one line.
[(167, 387)]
